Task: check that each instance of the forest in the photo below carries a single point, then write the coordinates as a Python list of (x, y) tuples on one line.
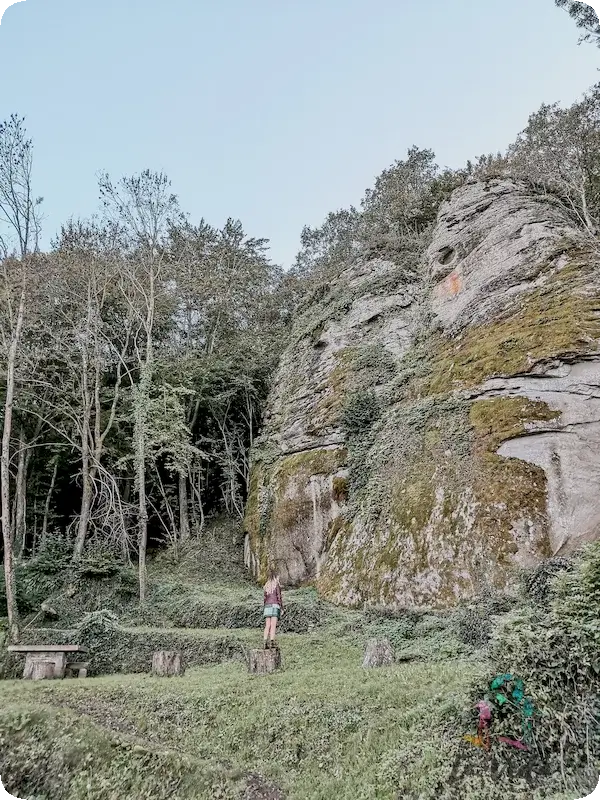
[(137, 350)]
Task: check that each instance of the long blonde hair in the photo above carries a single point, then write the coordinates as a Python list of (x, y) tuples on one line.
[(272, 581)]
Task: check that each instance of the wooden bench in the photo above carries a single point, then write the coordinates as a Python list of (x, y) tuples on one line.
[(55, 654)]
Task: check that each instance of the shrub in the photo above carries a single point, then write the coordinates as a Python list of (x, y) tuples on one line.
[(116, 649), (224, 608), (475, 624), (26, 600), (360, 411), (556, 651), (474, 627), (53, 557), (537, 583)]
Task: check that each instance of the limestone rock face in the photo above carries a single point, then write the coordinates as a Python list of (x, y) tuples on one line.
[(299, 477), (435, 421)]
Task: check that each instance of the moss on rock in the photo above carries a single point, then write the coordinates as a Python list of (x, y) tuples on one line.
[(287, 498), (453, 513), (557, 319)]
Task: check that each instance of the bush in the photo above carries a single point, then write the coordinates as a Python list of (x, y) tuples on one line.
[(26, 600), (557, 653), (114, 649), (224, 608), (53, 557), (360, 411), (538, 583), (474, 627), (475, 624)]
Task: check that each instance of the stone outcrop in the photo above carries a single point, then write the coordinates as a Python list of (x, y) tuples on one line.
[(434, 422)]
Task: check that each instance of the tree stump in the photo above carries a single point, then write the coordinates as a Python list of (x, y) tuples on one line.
[(379, 653), (166, 663), (77, 669), (263, 662), (42, 670)]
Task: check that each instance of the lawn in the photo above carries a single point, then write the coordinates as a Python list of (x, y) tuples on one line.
[(322, 728)]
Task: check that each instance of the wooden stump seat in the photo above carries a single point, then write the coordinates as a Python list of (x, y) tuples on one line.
[(166, 663), (40, 669), (379, 653), (264, 662), (77, 669)]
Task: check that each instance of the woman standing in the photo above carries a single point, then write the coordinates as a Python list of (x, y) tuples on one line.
[(273, 607)]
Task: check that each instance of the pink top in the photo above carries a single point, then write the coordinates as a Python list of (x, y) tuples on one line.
[(274, 597)]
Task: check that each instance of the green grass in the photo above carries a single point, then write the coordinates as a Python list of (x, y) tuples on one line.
[(321, 728)]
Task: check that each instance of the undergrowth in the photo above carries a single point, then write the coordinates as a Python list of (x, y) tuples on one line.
[(323, 727)]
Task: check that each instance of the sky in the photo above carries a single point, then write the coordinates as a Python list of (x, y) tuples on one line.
[(274, 112)]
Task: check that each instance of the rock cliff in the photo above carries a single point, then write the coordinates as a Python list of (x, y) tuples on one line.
[(435, 419)]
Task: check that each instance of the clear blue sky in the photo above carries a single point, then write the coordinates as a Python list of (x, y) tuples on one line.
[(274, 111)]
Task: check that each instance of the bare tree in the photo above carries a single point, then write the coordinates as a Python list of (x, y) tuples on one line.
[(19, 223), (19, 208)]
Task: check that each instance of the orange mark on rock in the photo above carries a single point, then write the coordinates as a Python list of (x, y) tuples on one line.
[(451, 286)]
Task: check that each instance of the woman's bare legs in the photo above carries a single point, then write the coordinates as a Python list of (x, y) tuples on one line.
[(273, 627), (267, 629)]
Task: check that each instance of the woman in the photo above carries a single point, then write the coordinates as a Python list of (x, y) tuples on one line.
[(273, 607)]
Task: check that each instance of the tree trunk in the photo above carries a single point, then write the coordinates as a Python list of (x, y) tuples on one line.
[(140, 423), (87, 494), (21, 498), (166, 664), (142, 514), (47, 503), (264, 662), (586, 214), (7, 534), (141, 412), (87, 486), (184, 519)]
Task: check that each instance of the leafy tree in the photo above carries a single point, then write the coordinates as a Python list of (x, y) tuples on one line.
[(585, 18), (324, 250), (559, 150), (144, 207)]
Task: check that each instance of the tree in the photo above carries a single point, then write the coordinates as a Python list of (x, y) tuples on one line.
[(20, 224), (19, 208), (585, 18), (559, 150), (230, 327), (400, 202), (326, 249), (144, 207), (88, 335)]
